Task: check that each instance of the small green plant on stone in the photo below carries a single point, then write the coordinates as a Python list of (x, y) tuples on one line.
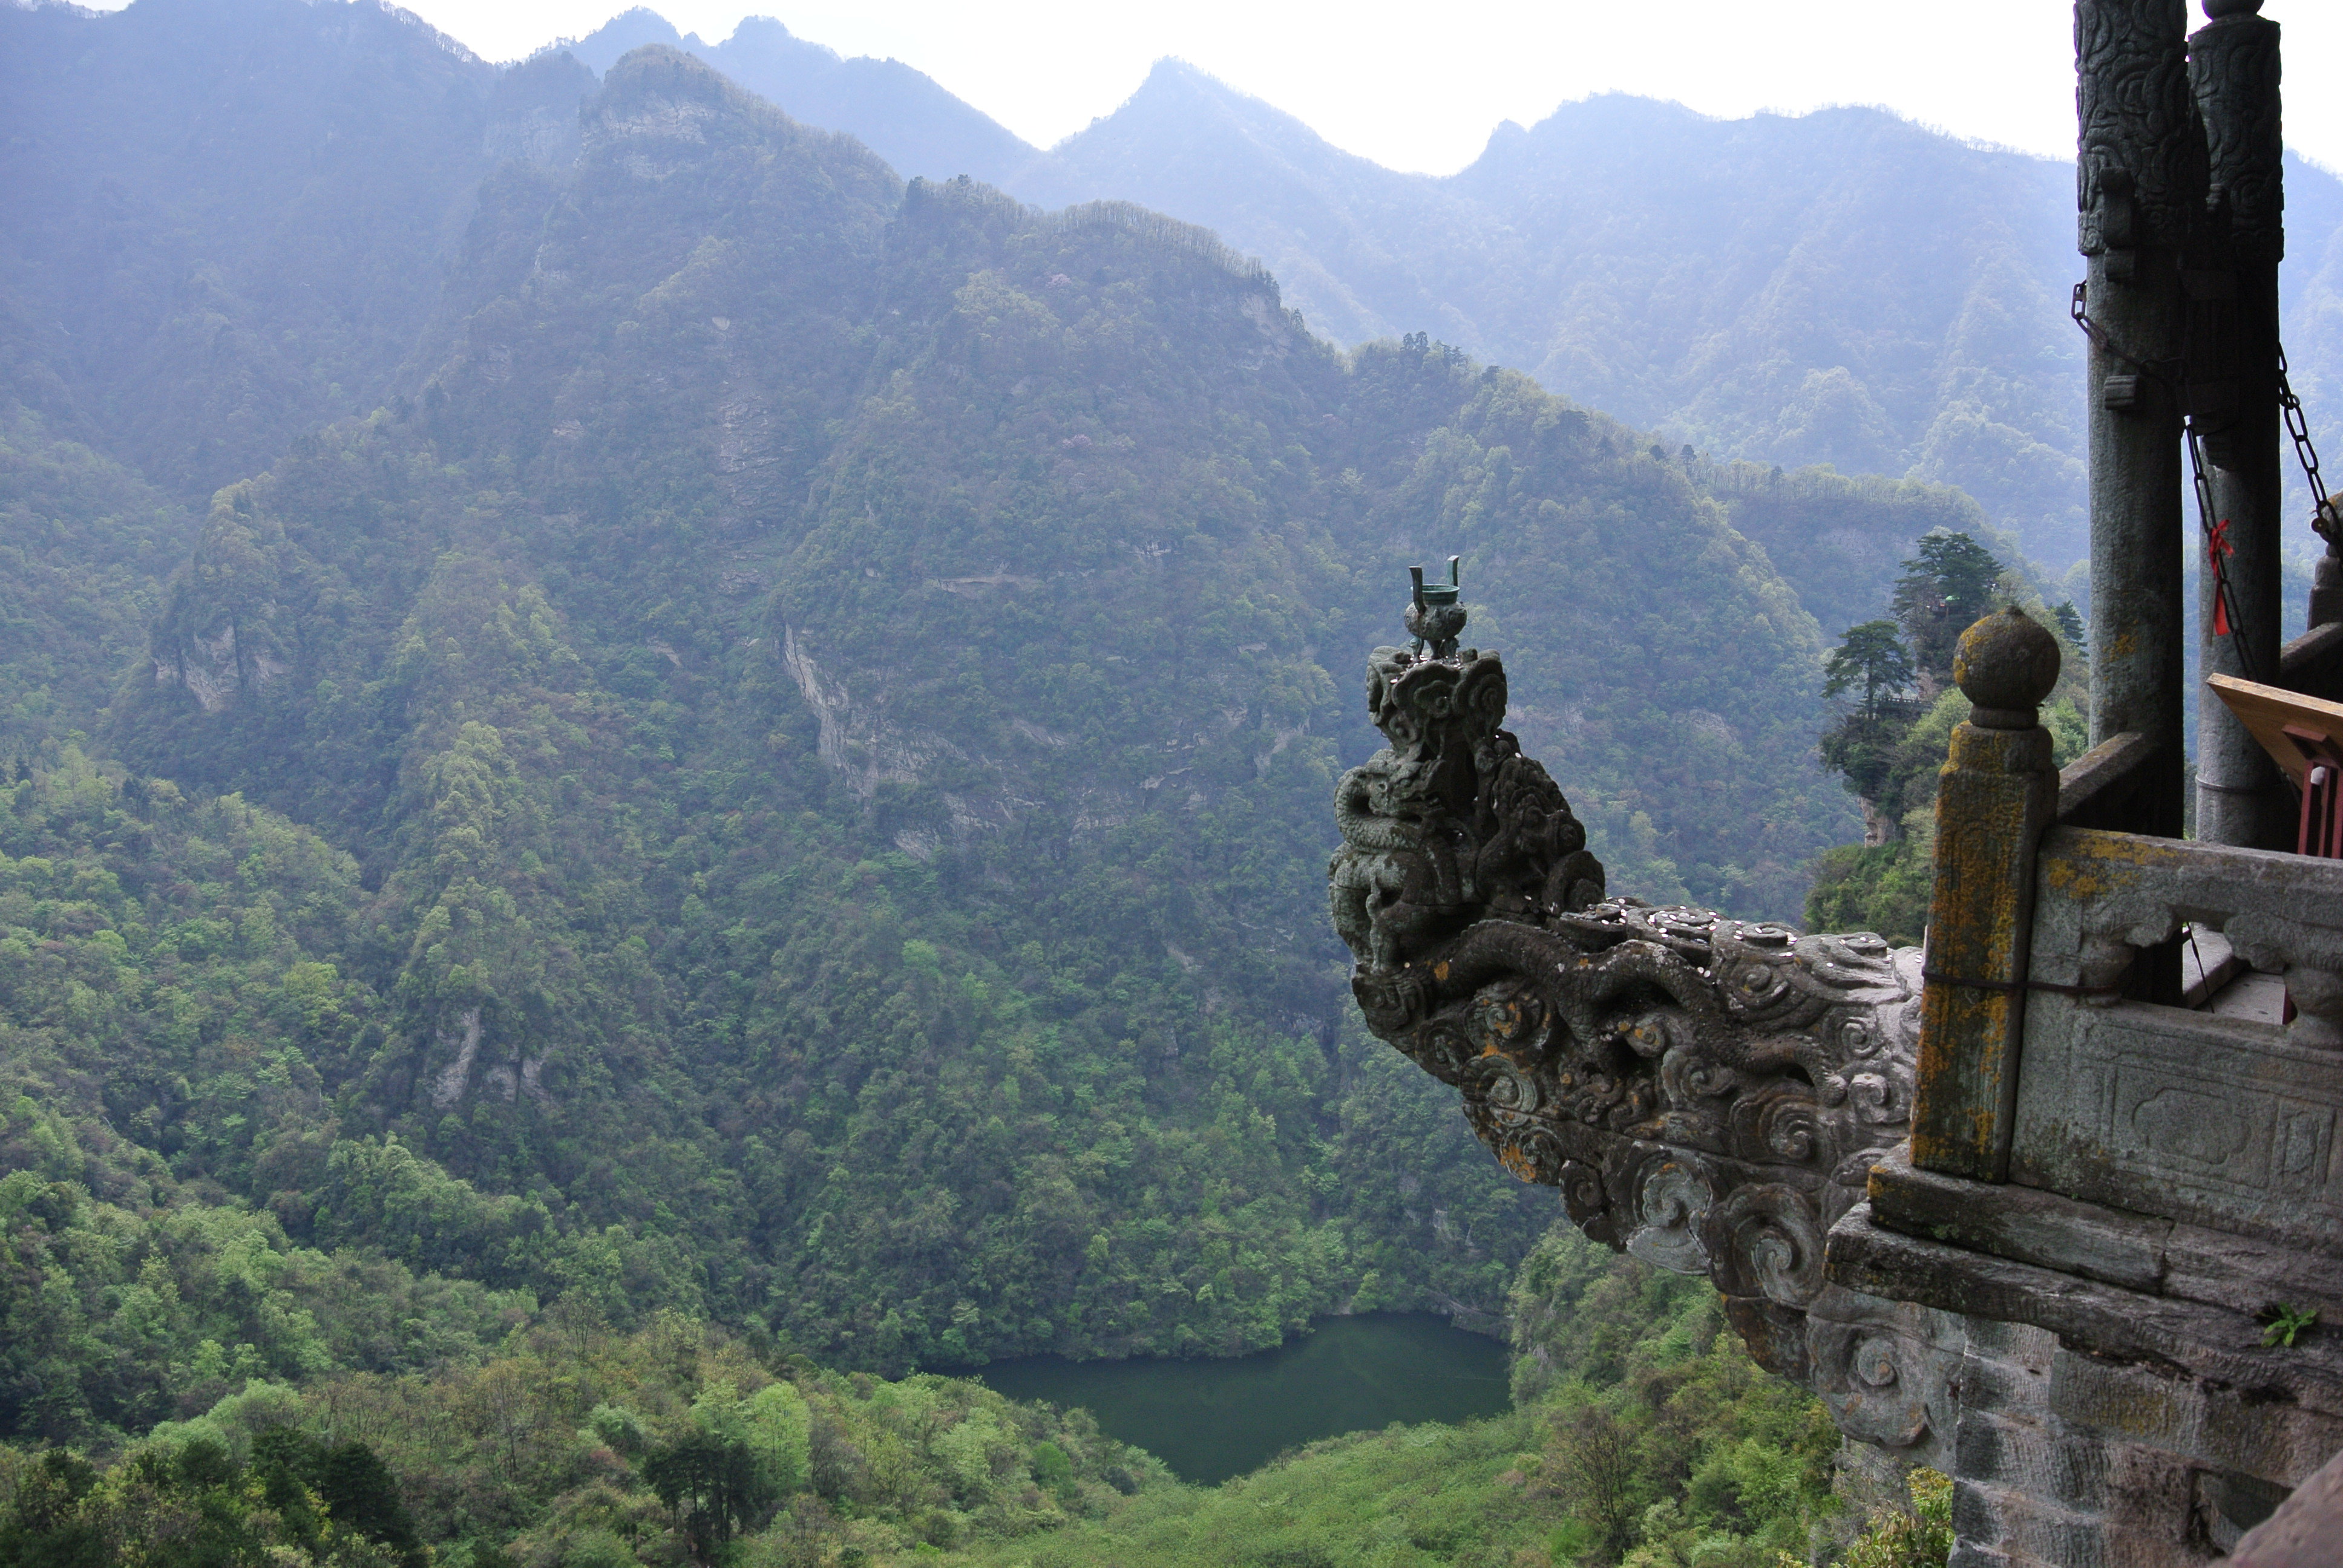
[(2285, 1321)]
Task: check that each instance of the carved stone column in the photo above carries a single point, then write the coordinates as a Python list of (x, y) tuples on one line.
[(2140, 179), (2233, 66)]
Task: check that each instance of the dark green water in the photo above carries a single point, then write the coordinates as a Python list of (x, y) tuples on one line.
[(1210, 1420)]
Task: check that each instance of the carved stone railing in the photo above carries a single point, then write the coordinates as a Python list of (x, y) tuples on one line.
[(1709, 1094), (2211, 1119)]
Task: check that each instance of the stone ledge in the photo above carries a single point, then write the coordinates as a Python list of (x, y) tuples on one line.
[(2109, 1245), (2248, 1275), (2087, 1315), (2118, 1247)]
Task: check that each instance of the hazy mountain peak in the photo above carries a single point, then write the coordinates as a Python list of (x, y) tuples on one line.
[(1170, 71), (602, 48), (1185, 125), (655, 93), (1176, 85), (900, 113), (769, 32)]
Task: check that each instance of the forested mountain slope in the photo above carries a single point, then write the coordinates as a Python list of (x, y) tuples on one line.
[(1769, 290), (832, 691), (618, 722), (780, 769), (85, 546), (1641, 1427), (226, 217), (1842, 287)]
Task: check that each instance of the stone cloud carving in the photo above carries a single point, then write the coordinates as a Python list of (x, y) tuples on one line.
[(1708, 1093)]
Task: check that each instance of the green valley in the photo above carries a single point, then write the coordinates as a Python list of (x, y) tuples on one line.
[(704, 789)]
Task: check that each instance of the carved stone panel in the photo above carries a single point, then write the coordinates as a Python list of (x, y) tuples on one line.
[(2218, 1121)]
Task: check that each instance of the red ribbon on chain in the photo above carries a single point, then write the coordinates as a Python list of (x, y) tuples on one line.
[(2215, 548)]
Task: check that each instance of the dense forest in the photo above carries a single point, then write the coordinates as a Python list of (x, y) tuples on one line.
[(689, 782), (732, 860), (1641, 1435)]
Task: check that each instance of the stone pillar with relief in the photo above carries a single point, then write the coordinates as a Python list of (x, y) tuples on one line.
[(2231, 282), (2140, 183)]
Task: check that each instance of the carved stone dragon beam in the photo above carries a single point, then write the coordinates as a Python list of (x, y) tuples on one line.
[(1709, 1094)]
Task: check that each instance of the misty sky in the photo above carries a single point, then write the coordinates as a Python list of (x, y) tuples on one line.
[(1420, 86)]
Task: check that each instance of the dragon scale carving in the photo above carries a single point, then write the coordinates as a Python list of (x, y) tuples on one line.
[(2138, 175), (2234, 68), (1707, 1093)]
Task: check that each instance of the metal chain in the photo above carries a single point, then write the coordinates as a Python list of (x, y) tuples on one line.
[(2079, 306), (2322, 521), (2217, 548), (2218, 551)]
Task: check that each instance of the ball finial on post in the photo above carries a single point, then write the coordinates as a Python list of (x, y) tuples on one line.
[(2006, 665), (1997, 792)]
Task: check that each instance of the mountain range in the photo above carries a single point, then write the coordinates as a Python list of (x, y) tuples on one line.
[(607, 700), (651, 775), (1843, 288)]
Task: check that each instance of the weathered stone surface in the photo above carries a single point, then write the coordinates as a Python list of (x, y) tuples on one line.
[(2326, 582), (2313, 663), (2096, 790), (1995, 795), (2205, 1421), (2021, 1223), (1450, 823), (1969, 1555), (2066, 1457), (2304, 1531), (2216, 1122), (2233, 71), (2022, 1529), (2140, 183), (2029, 1457), (2232, 284), (2242, 1274), (2201, 1341), (2141, 173), (1888, 1372), (1707, 1093), (2248, 1275)]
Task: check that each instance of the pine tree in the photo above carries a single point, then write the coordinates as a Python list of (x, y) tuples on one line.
[(1945, 589), (1872, 656)]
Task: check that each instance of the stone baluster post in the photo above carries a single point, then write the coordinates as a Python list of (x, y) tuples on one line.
[(2233, 67), (1998, 792), (2141, 178)]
